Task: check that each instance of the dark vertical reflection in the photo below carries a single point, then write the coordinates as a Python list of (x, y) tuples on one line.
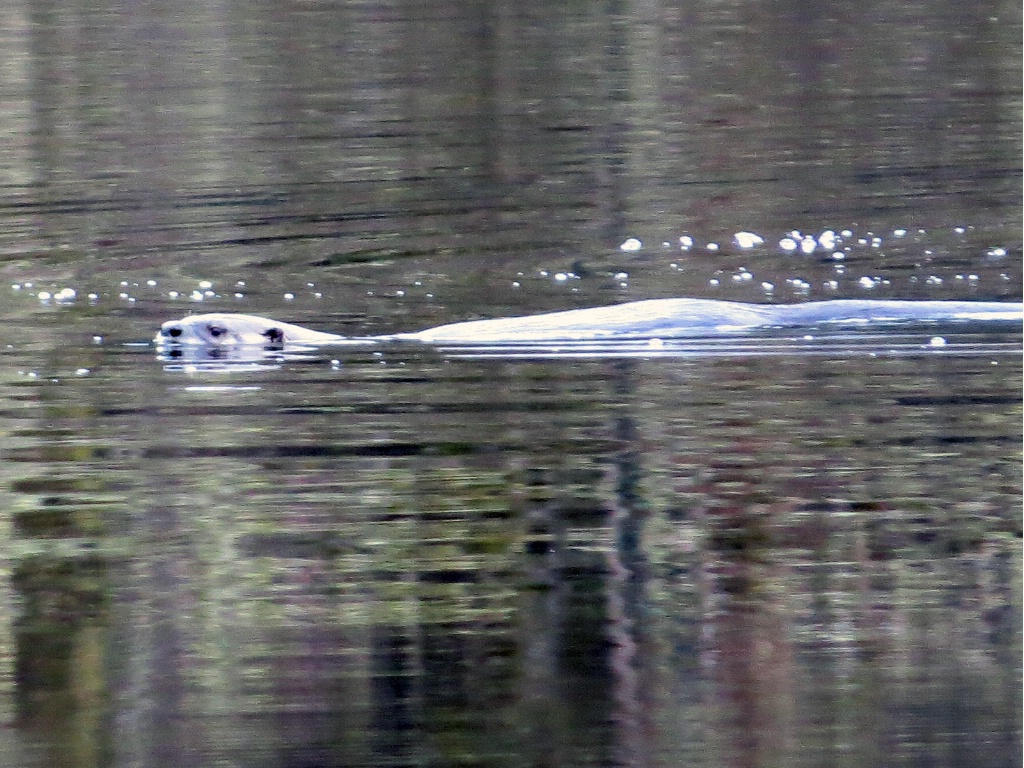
[(392, 690), (628, 610)]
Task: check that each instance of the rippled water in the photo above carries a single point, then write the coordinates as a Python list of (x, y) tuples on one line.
[(411, 559), (773, 549)]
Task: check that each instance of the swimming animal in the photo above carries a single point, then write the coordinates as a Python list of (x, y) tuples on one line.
[(650, 319)]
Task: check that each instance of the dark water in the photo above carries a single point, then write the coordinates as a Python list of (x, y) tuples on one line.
[(777, 551)]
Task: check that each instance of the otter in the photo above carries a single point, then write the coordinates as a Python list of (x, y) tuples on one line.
[(638, 320)]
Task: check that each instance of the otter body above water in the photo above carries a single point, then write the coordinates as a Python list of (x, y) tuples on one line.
[(638, 320)]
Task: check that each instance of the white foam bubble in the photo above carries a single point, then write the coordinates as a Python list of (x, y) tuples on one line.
[(748, 239)]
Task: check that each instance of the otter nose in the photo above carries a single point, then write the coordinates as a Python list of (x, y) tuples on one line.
[(174, 331)]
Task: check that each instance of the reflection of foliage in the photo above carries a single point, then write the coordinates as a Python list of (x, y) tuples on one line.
[(441, 538), (371, 553), (57, 594)]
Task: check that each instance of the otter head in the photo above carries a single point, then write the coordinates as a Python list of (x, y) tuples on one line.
[(230, 330), (222, 330)]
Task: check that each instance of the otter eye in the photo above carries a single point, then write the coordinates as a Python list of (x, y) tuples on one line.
[(276, 335), (216, 330), (174, 332)]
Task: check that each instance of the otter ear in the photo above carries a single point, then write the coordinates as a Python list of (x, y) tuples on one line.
[(274, 335)]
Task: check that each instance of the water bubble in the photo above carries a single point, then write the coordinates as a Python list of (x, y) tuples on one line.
[(936, 341), (788, 244), (748, 239), (205, 284), (289, 296), (742, 275), (712, 246), (808, 244), (899, 233), (561, 277), (686, 242), (996, 253), (631, 245), (867, 283), (621, 275)]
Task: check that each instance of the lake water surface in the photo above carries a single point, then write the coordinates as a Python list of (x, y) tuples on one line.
[(770, 550)]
